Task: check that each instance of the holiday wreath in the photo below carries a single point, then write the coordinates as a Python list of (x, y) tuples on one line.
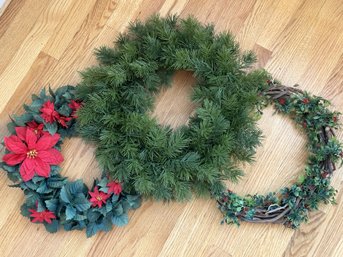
[(155, 160), (291, 205), (140, 157), (32, 158)]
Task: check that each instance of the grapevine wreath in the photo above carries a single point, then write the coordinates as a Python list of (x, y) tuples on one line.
[(111, 108)]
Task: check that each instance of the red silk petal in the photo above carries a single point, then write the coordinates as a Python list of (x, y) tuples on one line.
[(47, 141), (21, 132), (42, 168), (31, 139), (27, 169), (15, 145), (47, 219), (13, 158), (51, 156)]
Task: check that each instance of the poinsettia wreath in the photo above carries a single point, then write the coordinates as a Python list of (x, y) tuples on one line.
[(32, 160)]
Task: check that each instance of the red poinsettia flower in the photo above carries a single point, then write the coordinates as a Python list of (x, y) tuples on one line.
[(49, 114), (42, 216), (114, 187), (34, 154), (37, 128), (63, 120), (98, 198), (74, 105)]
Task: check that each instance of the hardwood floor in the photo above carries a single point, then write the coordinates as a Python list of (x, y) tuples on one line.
[(298, 41)]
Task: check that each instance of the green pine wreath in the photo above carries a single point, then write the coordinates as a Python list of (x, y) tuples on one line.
[(155, 160), (290, 206)]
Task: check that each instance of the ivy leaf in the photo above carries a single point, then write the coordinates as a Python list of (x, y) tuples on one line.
[(43, 189), (51, 127), (36, 105), (52, 227), (106, 225), (134, 201), (23, 119), (70, 212), (103, 182), (76, 187), (118, 210), (93, 215), (25, 210), (56, 182), (120, 220), (52, 204), (64, 195), (115, 198), (81, 203), (64, 110), (92, 228)]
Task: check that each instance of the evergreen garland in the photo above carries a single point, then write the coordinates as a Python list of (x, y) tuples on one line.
[(155, 160)]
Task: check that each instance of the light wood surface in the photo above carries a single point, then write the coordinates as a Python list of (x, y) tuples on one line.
[(299, 41)]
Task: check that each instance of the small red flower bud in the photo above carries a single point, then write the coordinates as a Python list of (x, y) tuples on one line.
[(225, 199), (306, 101), (335, 119), (282, 101), (304, 124), (325, 174)]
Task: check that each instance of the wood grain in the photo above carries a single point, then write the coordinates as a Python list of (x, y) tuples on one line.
[(298, 41)]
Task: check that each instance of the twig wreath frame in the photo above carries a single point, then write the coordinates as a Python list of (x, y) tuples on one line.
[(291, 205)]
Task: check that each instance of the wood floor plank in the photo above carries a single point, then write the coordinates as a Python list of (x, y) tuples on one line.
[(7, 16), (23, 18), (30, 48), (299, 41), (67, 29)]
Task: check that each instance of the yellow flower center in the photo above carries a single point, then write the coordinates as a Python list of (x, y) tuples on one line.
[(99, 198), (32, 154)]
